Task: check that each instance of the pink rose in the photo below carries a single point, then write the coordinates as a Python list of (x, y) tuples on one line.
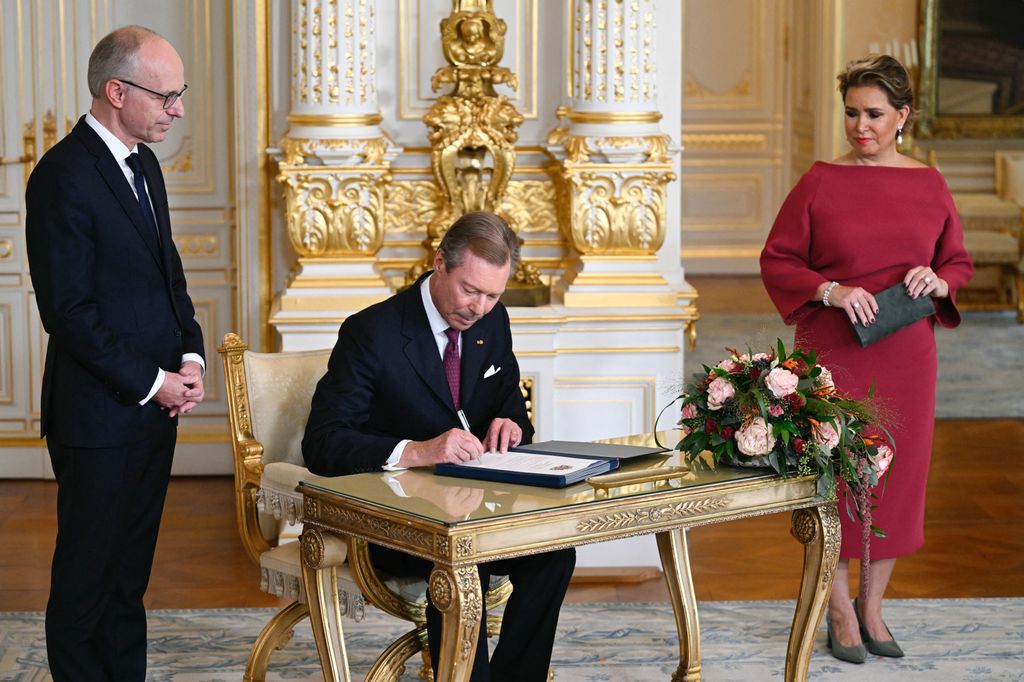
[(781, 382), (730, 365), (775, 410), (882, 460), (685, 430), (689, 411), (824, 380), (720, 391), (826, 435), (757, 356), (755, 438)]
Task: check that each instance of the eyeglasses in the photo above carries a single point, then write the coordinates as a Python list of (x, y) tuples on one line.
[(169, 97)]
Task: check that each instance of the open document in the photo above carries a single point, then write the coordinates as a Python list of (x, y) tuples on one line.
[(553, 464), (552, 471)]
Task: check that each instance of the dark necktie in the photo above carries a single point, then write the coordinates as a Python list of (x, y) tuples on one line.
[(134, 162), (451, 363)]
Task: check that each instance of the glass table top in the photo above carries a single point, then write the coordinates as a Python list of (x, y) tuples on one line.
[(453, 501)]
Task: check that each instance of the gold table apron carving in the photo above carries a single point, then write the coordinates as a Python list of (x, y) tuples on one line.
[(513, 520)]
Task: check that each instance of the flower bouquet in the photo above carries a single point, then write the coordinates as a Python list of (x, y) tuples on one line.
[(782, 410)]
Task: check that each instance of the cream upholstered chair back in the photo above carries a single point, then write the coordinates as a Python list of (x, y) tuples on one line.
[(1010, 176), (269, 397), (280, 388)]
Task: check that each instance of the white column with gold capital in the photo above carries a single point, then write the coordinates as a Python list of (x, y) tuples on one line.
[(334, 164), (615, 160)]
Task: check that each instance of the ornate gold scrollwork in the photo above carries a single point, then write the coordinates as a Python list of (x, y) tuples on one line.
[(473, 130), (617, 212), (473, 153), (472, 605), (442, 591), (312, 548), (332, 215), (806, 529)]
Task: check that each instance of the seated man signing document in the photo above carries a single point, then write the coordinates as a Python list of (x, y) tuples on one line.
[(428, 376)]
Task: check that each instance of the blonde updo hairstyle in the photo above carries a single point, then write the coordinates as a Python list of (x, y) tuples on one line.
[(885, 73)]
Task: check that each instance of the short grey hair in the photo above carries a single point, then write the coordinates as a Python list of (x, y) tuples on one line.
[(485, 234), (116, 56)]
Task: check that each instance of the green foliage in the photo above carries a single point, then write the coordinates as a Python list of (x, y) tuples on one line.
[(781, 410)]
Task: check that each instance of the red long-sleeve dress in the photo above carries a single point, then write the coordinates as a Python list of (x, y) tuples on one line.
[(867, 226)]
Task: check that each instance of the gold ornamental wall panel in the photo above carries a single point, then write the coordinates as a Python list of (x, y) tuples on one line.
[(420, 53), (413, 203)]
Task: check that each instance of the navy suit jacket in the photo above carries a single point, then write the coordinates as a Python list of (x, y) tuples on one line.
[(385, 382), (111, 294)]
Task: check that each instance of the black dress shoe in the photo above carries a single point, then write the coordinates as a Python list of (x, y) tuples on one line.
[(888, 647)]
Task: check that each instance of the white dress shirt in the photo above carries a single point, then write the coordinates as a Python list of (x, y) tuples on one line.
[(121, 153)]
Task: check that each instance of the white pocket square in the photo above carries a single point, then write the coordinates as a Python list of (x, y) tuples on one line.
[(491, 371)]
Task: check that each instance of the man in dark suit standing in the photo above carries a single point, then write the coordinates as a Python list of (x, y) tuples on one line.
[(429, 376), (124, 356)]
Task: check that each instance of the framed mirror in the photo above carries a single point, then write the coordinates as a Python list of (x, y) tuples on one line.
[(972, 68)]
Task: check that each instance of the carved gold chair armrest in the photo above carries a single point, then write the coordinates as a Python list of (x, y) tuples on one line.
[(246, 450)]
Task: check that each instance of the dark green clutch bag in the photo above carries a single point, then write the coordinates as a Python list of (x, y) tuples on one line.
[(895, 311)]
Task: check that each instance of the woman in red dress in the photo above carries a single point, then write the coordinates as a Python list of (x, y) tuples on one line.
[(868, 220)]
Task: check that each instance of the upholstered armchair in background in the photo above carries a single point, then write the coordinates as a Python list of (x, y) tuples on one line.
[(994, 229)]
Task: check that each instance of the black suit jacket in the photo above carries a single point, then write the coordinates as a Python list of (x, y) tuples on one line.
[(111, 294), (385, 383)]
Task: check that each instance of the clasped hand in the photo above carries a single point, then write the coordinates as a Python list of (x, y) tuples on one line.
[(181, 390), (458, 445), (860, 305)]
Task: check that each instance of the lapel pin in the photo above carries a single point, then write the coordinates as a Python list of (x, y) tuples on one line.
[(479, 342)]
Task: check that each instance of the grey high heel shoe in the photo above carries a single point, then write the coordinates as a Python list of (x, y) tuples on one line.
[(851, 654), (879, 648)]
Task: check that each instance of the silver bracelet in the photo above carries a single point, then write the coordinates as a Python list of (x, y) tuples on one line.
[(828, 290)]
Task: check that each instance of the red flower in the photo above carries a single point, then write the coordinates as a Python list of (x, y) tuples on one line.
[(727, 432), (798, 445), (754, 373), (709, 426), (795, 401)]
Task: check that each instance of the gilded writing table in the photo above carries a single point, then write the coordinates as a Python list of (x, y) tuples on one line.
[(470, 522)]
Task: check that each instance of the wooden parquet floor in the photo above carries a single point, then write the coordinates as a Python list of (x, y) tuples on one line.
[(974, 529)]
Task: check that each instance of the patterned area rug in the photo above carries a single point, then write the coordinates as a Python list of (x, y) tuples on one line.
[(980, 362), (973, 640)]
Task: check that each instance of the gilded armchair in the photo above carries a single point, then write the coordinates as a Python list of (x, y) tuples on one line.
[(268, 404)]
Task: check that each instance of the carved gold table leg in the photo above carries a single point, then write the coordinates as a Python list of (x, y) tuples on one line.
[(675, 561), (817, 528), (321, 556), (456, 593)]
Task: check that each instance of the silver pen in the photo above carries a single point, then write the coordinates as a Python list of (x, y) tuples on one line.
[(465, 422)]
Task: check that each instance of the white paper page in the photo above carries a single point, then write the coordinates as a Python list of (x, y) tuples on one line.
[(532, 464)]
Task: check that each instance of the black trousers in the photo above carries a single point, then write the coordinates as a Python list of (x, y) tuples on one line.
[(523, 652), (109, 502)]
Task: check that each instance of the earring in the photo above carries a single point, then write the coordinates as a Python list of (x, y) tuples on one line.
[(899, 135)]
